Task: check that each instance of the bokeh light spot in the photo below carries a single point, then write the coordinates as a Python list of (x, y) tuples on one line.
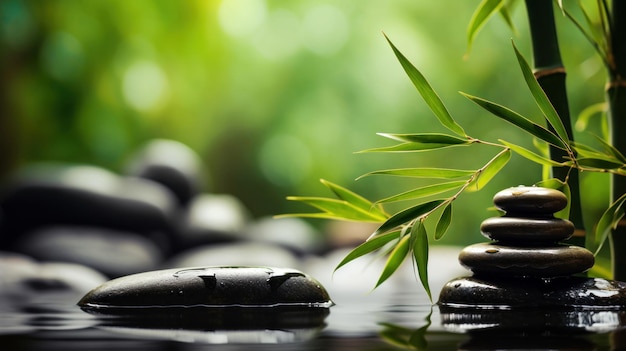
[(145, 86), (241, 18)]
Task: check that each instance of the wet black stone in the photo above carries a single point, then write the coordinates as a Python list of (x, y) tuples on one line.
[(562, 292), (546, 261), (216, 287), (529, 230), (530, 199), (211, 219), (45, 195), (111, 252), (171, 164)]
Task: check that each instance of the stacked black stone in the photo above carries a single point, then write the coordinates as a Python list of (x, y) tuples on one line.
[(525, 241), (526, 265)]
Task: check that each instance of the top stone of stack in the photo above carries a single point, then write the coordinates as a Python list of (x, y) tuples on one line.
[(530, 200)]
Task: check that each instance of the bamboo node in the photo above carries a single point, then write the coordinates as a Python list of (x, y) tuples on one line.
[(549, 71)]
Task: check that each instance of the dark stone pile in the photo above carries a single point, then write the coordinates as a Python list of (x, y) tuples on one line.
[(525, 265)]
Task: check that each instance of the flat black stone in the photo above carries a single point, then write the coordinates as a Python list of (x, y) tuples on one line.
[(546, 262), (530, 230), (555, 293), (530, 199), (214, 287)]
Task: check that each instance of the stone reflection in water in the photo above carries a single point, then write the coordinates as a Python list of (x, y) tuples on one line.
[(213, 305)]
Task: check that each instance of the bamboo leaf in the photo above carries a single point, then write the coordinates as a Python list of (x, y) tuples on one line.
[(532, 156), (610, 149), (541, 99), (368, 246), (339, 209), (326, 215), (428, 94), (395, 259), (420, 253), (597, 45), (518, 120), (504, 13), (424, 191), (423, 173), (426, 138), (406, 216), (586, 114), (413, 147), (483, 12), (609, 220), (599, 163), (444, 222), (355, 199), (584, 150), (490, 170)]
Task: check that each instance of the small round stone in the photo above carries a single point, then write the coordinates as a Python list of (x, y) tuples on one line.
[(528, 230), (545, 262), (530, 199)]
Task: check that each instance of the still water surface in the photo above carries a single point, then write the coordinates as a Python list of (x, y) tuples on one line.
[(376, 321), (397, 315)]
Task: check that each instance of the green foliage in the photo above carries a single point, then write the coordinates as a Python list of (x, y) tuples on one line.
[(404, 233), (406, 229)]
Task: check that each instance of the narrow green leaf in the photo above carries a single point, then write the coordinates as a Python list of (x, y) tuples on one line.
[(326, 215), (597, 45), (610, 149), (518, 120), (406, 216), (541, 99), (355, 199), (609, 220), (504, 13), (413, 147), (586, 114), (428, 94), (395, 259), (424, 191), (339, 208), (490, 170), (426, 138), (420, 253), (532, 156), (584, 150), (369, 246), (442, 173), (483, 12), (444, 222), (599, 163)]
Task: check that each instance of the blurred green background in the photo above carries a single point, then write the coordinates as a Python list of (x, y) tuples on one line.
[(273, 95)]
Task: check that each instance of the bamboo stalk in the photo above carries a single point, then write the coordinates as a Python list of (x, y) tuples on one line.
[(550, 74), (616, 98)]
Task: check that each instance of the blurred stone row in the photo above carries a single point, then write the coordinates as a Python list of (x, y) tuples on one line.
[(157, 215), (65, 229)]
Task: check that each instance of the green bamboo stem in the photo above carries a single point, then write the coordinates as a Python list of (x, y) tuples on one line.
[(550, 74), (616, 98)]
